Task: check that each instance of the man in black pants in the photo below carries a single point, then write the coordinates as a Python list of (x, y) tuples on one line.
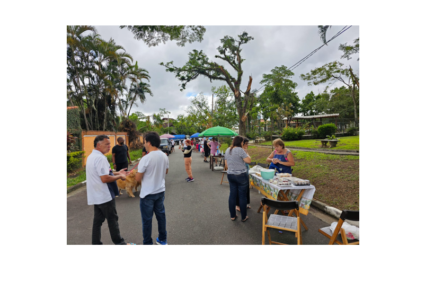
[(98, 193), (120, 154)]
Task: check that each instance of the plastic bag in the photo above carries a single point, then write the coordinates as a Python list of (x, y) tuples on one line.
[(351, 231)]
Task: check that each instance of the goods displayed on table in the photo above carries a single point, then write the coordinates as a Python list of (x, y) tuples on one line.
[(284, 175), (298, 181), (280, 181)]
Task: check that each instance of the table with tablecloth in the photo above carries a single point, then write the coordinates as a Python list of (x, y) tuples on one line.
[(302, 194)]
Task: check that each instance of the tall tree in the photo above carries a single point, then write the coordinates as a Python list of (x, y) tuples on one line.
[(225, 113), (199, 64), (280, 94), (331, 72), (153, 35), (308, 104)]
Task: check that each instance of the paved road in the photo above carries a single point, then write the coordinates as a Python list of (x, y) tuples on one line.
[(197, 213)]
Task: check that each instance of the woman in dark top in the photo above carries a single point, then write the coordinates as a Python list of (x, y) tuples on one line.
[(187, 151), (248, 198), (206, 150)]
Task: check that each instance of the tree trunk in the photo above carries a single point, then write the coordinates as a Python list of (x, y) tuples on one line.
[(84, 114), (104, 120), (353, 95), (271, 123), (242, 128)]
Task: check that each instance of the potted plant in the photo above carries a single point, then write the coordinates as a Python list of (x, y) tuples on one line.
[(332, 140)]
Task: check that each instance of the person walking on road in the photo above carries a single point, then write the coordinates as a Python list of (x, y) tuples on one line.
[(207, 150), (172, 145), (98, 193), (235, 159), (120, 155), (187, 151), (151, 173)]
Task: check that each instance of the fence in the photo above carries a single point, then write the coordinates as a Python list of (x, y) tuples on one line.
[(87, 139)]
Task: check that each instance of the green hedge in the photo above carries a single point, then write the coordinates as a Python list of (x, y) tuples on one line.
[(267, 135), (326, 130), (291, 134), (352, 131), (74, 160), (251, 135)]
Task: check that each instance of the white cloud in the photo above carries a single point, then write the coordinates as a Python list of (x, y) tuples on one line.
[(272, 46)]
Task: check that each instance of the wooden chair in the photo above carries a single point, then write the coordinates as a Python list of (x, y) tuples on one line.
[(339, 235), (224, 173), (280, 222)]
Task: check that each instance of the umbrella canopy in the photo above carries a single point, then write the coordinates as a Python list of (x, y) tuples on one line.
[(218, 132), (179, 137), (166, 136), (194, 135)]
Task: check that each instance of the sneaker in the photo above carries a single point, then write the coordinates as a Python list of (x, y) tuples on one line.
[(158, 242), (187, 179), (191, 180)]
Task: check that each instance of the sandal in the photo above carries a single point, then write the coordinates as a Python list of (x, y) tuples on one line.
[(233, 219), (238, 208), (248, 207), (245, 219)]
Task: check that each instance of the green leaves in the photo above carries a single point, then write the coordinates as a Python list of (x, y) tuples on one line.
[(153, 35)]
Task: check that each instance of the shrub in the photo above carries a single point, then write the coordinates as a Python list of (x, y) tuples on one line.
[(251, 135), (291, 134), (352, 131), (267, 135), (314, 133), (326, 130), (74, 160), (228, 141)]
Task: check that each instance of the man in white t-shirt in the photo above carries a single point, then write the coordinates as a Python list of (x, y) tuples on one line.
[(151, 172), (98, 174)]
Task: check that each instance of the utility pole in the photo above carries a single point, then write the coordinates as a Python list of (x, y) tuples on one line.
[(168, 128)]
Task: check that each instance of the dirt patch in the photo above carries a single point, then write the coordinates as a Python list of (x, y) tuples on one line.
[(336, 180)]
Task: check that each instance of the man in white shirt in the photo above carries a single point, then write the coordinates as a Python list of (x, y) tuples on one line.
[(151, 172), (98, 194)]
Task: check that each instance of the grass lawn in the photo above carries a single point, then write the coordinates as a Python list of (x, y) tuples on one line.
[(345, 143), (336, 177), (80, 175)]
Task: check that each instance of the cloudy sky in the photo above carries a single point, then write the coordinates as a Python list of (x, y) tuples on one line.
[(272, 46)]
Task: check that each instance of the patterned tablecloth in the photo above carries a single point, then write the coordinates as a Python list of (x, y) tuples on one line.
[(272, 191)]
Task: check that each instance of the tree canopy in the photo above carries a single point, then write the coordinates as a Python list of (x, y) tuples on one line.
[(154, 35), (200, 65)]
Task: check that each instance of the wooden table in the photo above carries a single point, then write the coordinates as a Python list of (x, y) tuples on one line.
[(218, 157), (302, 194)]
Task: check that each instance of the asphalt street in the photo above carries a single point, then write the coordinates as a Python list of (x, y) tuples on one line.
[(197, 213)]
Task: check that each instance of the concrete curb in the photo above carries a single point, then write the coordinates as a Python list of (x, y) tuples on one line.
[(73, 188), (332, 211)]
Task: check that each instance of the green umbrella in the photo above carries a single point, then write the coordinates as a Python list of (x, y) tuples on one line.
[(218, 132)]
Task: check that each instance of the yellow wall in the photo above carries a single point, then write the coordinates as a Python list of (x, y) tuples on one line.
[(88, 140)]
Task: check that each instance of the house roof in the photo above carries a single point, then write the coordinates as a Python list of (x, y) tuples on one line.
[(313, 116)]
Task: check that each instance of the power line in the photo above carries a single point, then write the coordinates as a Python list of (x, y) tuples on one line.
[(312, 52), (317, 49)]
